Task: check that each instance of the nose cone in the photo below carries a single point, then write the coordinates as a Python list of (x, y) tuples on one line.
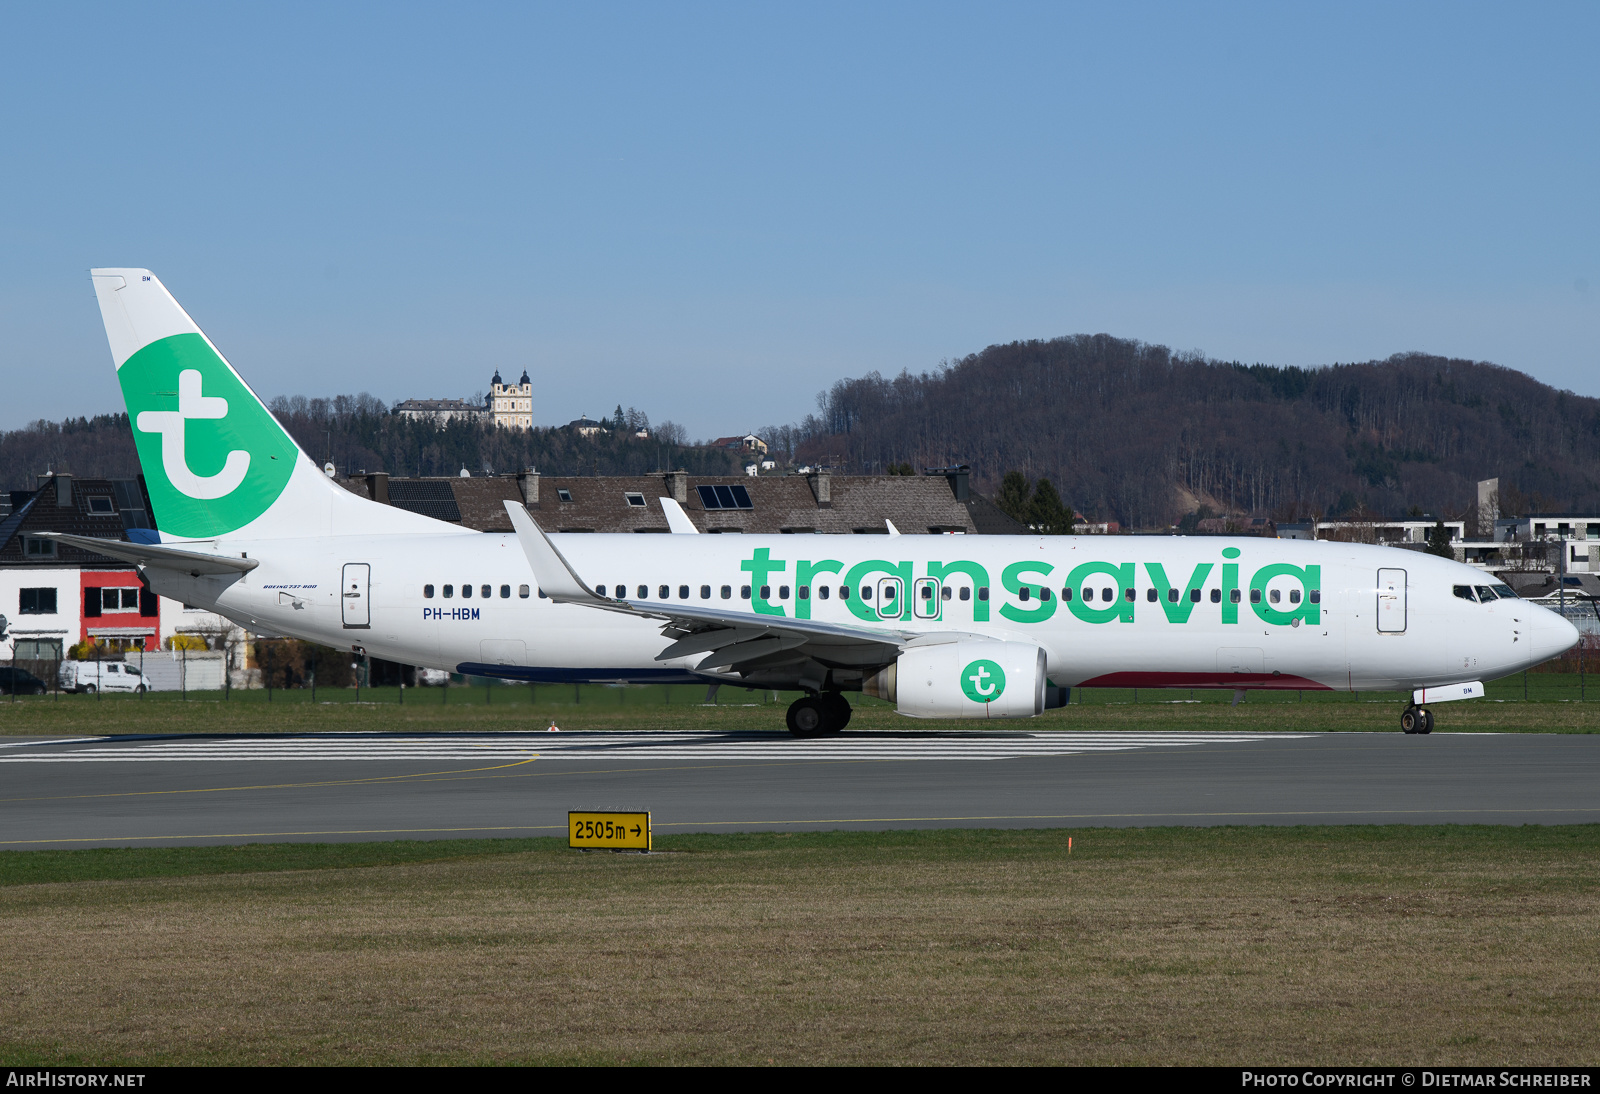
[(1551, 635)]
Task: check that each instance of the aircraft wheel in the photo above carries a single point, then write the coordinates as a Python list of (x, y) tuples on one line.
[(807, 717), (1410, 720), (838, 711), (1427, 722)]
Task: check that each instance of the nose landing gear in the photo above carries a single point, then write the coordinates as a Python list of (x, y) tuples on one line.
[(1415, 719), (817, 715)]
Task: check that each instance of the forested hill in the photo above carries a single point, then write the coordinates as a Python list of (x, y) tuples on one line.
[(1133, 432), (357, 432)]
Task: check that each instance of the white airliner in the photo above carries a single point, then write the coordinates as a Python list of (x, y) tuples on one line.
[(942, 626)]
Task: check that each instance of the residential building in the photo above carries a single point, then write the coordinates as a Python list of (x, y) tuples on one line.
[(815, 502), (440, 411)]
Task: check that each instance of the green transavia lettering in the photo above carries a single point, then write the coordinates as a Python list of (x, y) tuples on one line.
[(1278, 594)]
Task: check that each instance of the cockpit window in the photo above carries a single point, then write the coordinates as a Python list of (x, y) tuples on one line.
[(1506, 592), (1464, 592), (1486, 594)]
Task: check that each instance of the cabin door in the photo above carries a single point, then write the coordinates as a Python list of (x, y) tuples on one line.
[(1391, 601), (355, 595)]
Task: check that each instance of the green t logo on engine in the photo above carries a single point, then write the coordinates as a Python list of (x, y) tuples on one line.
[(983, 681)]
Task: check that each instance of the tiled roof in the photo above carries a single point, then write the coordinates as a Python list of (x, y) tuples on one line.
[(126, 509), (916, 504)]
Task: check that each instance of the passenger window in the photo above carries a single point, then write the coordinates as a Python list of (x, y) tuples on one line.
[(705, 592), (966, 593), (803, 592), (1151, 595), (1129, 595), (450, 590), (466, 592), (927, 592), (983, 592), (727, 592), (1216, 596), (1172, 596), (783, 592), (683, 592), (505, 592), (1066, 593), (844, 592), (945, 593), (1108, 594), (1294, 596), (1194, 596), (522, 591), (1255, 596), (1316, 596), (1274, 596), (866, 592), (427, 592), (487, 592), (822, 591), (1234, 597), (664, 592), (1044, 594), (599, 590), (766, 592), (744, 592), (1023, 594)]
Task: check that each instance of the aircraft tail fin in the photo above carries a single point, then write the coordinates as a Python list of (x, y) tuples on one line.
[(216, 462)]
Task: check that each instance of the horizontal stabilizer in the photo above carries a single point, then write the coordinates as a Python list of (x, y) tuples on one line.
[(165, 558)]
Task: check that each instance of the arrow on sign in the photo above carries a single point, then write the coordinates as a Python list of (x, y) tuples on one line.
[(636, 829)]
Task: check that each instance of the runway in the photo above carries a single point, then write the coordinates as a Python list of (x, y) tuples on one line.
[(162, 791)]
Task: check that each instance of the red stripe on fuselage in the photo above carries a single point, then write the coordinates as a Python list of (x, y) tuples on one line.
[(1231, 680)]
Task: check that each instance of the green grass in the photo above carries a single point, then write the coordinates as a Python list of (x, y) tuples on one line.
[(1555, 703), (1320, 945)]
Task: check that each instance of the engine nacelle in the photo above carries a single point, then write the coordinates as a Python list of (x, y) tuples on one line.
[(972, 678)]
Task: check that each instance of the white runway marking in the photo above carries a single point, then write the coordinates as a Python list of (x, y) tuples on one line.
[(590, 746)]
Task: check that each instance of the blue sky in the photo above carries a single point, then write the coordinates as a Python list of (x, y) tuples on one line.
[(713, 212)]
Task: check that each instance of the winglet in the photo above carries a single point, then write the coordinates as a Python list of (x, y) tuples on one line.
[(677, 520), (555, 575)]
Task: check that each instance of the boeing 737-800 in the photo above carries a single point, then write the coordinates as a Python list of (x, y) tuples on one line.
[(942, 626)]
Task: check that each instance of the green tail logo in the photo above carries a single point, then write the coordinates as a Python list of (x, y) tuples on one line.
[(213, 458)]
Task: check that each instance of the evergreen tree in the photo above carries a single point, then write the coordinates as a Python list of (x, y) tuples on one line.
[(619, 421), (1013, 496), (1439, 540), (1047, 513)]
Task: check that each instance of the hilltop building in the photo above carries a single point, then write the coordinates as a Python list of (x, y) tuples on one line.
[(511, 405)]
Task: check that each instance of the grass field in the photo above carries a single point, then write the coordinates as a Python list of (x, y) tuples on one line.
[(1553, 705), (1347, 945)]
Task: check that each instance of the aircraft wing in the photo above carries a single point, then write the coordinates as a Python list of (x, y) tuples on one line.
[(194, 563), (731, 640)]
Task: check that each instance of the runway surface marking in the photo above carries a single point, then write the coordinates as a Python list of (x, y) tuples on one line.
[(589, 746)]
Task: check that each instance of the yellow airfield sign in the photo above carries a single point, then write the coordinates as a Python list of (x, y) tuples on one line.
[(612, 831)]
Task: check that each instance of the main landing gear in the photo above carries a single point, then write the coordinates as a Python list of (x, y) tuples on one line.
[(1414, 719), (817, 715)]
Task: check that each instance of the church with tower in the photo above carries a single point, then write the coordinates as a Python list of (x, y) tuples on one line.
[(511, 405)]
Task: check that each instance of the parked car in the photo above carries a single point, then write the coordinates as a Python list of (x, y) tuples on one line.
[(92, 676), (14, 681)]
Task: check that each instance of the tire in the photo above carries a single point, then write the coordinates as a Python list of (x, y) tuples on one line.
[(139, 690), (1427, 722), (89, 689), (1410, 720), (839, 711), (807, 717)]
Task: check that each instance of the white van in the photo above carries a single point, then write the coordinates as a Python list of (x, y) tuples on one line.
[(92, 676)]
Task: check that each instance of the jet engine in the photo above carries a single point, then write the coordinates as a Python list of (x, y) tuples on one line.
[(970, 678)]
